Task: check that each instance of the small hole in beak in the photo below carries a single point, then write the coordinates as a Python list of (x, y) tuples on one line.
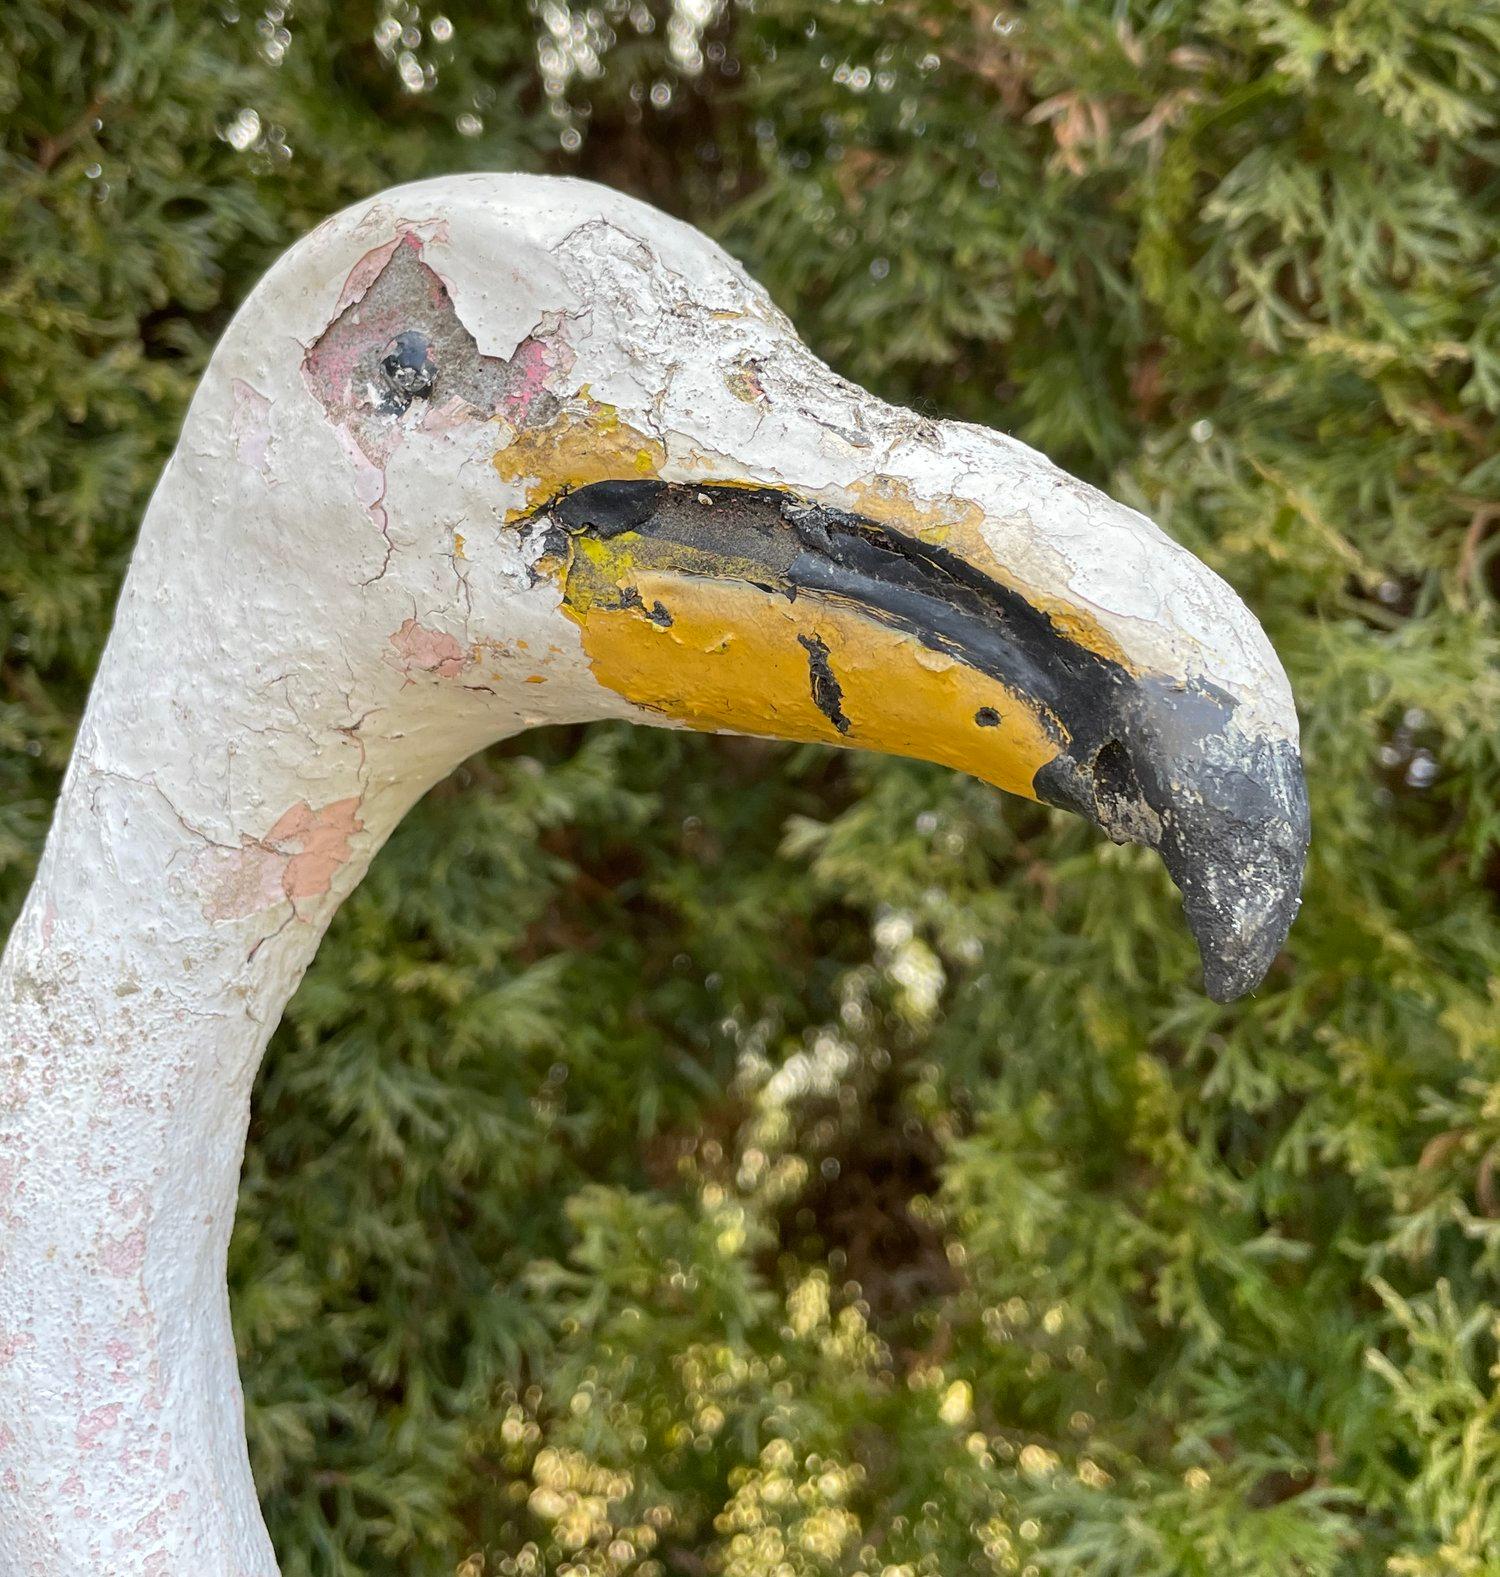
[(1114, 777)]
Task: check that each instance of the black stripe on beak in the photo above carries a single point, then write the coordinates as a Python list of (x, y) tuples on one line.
[(1146, 757)]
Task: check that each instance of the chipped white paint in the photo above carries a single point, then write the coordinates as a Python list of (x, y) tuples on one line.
[(307, 640)]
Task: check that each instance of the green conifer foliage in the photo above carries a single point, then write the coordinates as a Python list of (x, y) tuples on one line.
[(703, 1157)]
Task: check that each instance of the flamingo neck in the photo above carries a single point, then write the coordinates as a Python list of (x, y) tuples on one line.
[(140, 985), (216, 811)]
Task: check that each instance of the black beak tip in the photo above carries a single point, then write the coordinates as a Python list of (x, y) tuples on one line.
[(1229, 818), (1227, 978), (1242, 888)]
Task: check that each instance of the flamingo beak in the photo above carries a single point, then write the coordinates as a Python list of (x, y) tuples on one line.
[(746, 609)]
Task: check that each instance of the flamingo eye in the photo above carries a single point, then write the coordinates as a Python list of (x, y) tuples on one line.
[(408, 365)]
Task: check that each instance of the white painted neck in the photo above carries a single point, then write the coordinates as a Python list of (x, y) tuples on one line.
[(174, 913), (132, 1040), (281, 684)]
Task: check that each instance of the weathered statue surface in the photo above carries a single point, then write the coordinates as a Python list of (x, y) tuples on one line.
[(483, 453)]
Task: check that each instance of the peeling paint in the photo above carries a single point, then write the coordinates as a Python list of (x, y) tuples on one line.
[(586, 442), (743, 382), (281, 684), (250, 429), (959, 525), (827, 692), (297, 858), (320, 840), (394, 307), (427, 651)]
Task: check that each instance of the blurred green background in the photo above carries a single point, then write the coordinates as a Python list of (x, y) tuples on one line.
[(695, 1156)]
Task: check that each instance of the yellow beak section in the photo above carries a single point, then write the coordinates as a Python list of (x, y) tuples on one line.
[(714, 640), (755, 611)]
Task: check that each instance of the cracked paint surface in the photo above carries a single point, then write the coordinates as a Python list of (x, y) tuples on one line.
[(420, 650), (297, 858), (586, 441), (282, 682), (395, 308)]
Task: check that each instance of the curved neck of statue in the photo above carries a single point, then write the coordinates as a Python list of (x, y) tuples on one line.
[(229, 788)]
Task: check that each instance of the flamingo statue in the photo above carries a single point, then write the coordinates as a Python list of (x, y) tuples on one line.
[(478, 454)]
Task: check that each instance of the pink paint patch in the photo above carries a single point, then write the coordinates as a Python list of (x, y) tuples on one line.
[(94, 1424), (446, 416), (430, 651), (250, 428), (13, 1346), (533, 364), (297, 858), (320, 840), (125, 1255)]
